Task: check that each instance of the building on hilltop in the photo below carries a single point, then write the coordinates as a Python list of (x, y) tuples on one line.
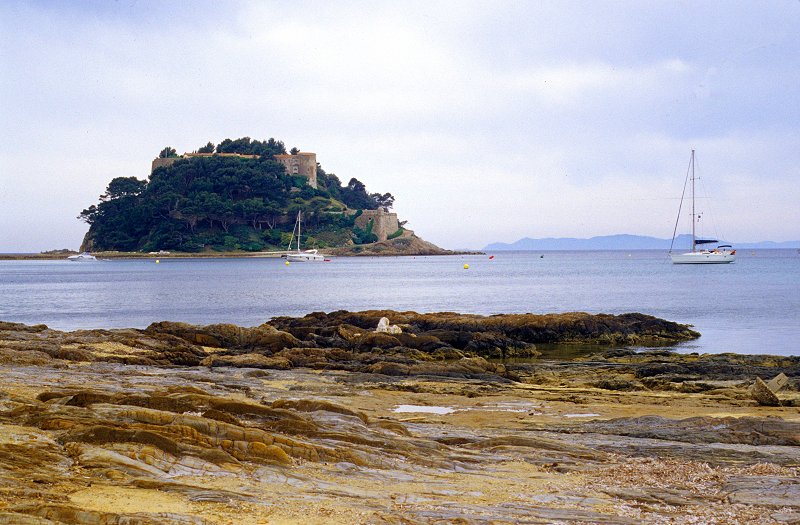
[(162, 162), (303, 163)]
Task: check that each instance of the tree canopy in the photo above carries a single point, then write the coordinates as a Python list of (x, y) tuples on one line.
[(227, 203), (248, 146)]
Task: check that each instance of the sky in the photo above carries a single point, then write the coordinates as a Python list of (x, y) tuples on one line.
[(488, 121)]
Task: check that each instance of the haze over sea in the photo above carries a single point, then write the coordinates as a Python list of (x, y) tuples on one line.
[(752, 306)]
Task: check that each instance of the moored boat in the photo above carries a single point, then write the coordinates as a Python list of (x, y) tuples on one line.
[(722, 254), (301, 255), (85, 256), (305, 256)]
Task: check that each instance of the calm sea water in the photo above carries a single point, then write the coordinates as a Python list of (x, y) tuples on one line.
[(752, 306)]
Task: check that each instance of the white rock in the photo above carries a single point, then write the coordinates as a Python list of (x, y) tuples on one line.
[(385, 327)]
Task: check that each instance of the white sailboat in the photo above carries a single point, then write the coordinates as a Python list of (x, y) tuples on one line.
[(301, 255), (82, 257), (722, 254)]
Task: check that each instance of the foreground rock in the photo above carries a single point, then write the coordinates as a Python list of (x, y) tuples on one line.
[(497, 335), (763, 395), (439, 344), (180, 424)]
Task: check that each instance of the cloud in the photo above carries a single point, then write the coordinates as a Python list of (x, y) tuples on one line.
[(568, 84), (518, 119)]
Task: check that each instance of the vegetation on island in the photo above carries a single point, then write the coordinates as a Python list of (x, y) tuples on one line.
[(228, 203)]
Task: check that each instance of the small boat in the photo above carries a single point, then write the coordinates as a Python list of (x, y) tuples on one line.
[(722, 254), (301, 255), (85, 256), (305, 256)]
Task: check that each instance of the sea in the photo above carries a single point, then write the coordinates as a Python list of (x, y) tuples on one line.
[(749, 307)]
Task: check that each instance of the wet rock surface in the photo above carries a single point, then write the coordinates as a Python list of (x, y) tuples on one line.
[(506, 335), (178, 424)]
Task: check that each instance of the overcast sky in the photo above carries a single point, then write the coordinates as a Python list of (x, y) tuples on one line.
[(488, 121)]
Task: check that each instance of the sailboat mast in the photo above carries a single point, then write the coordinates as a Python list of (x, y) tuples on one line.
[(298, 232), (693, 214)]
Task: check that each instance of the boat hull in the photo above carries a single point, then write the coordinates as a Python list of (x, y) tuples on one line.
[(81, 258), (305, 257), (703, 258)]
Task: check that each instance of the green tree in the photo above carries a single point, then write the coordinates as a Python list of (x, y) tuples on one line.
[(385, 200), (123, 187), (90, 214), (252, 210), (365, 235), (315, 213), (355, 196), (248, 146), (168, 152), (190, 213), (208, 148)]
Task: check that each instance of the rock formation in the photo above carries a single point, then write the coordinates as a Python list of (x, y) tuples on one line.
[(501, 334), (323, 419), (406, 244), (763, 395)]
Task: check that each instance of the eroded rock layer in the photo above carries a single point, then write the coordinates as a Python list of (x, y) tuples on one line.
[(323, 420)]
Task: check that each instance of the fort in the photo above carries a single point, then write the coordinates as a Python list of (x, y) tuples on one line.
[(384, 223), (303, 163)]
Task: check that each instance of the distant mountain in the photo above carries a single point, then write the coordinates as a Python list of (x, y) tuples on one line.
[(622, 242)]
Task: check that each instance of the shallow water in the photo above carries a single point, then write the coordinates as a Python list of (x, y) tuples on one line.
[(752, 306), (424, 409)]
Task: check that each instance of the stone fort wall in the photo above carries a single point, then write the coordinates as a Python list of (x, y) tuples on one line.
[(384, 223), (302, 163)]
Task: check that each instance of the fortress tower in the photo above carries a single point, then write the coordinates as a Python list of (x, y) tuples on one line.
[(302, 163)]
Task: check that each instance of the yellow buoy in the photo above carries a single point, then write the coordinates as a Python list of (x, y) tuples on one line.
[(286, 263), (157, 261), (466, 266)]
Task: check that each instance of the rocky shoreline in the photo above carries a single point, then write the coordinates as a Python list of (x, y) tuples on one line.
[(431, 418), (406, 245)]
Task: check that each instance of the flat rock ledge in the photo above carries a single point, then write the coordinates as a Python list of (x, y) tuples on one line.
[(438, 344), (321, 419)]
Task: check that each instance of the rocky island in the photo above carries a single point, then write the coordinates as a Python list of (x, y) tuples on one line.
[(394, 417), (244, 196)]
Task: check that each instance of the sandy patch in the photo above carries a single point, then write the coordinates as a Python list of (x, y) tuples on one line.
[(124, 500)]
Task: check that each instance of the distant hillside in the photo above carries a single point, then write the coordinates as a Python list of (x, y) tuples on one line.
[(621, 242), (238, 195)]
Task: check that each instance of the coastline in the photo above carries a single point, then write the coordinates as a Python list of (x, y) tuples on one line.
[(212, 255), (137, 255), (407, 244), (318, 419), (351, 251)]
